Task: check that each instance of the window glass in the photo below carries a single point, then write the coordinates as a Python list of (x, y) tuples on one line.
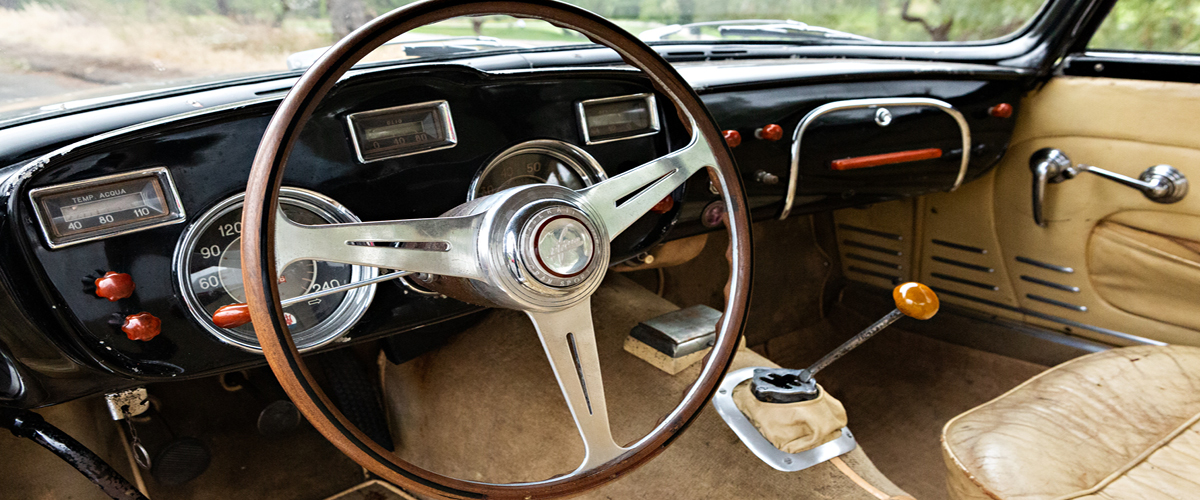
[(1150, 26), (69, 50)]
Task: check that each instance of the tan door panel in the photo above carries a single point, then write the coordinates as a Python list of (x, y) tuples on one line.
[(1120, 125), (1151, 274), (1073, 210), (1136, 110)]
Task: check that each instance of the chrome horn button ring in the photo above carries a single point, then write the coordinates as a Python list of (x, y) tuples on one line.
[(558, 246)]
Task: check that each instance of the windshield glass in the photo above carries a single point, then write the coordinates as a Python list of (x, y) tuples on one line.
[(59, 50)]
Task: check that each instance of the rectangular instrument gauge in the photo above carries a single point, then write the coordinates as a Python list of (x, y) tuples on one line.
[(618, 118), (402, 131), (106, 206)]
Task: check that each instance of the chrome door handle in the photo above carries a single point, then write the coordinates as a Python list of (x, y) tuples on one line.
[(1160, 183)]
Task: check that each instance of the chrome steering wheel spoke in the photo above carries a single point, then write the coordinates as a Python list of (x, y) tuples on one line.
[(620, 201), (570, 344), (443, 246)]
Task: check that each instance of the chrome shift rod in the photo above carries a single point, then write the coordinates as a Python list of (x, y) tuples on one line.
[(782, 385)]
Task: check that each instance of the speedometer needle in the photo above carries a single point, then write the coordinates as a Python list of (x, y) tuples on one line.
[(235, 315)]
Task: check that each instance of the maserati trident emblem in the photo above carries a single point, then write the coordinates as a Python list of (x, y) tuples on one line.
[(564, 246), (558, 247)]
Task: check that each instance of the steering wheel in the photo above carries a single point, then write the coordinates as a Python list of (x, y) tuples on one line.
[(541, 249)]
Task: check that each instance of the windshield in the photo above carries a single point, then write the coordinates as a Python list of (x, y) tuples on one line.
[(59, 50)]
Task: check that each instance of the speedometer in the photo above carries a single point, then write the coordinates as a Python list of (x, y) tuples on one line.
[(537, 162), (208, 264)]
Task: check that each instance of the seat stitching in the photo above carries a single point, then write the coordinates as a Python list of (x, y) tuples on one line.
[(1141, 457)]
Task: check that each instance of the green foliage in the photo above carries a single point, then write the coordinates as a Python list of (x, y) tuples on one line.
[(1147, 24), (1151, 25)]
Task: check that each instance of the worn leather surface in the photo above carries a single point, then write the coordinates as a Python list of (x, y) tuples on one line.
[(1131, 263), (1115, 424), (793, 427)]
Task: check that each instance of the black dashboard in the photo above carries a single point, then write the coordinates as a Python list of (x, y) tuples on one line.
[(853, 133)]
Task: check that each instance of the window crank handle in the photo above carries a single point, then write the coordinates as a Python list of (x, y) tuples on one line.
[(1160, 183)]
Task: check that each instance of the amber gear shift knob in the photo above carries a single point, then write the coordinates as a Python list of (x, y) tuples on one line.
[(915, 300)]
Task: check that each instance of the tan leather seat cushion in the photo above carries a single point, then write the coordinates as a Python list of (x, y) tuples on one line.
[(1115, 424)]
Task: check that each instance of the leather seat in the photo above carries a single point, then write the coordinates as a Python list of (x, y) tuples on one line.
[(1117, 424)]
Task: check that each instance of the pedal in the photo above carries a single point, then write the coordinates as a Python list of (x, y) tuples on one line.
[(179, 461), (676, 340)]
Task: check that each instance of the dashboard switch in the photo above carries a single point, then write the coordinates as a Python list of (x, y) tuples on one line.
[(770, 132), (141, 326), (663, 206), (766, 177), (733, 138), (231, 316), (114, 286), (1002, 110)]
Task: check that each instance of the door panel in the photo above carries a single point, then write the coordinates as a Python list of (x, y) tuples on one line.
[(1110, 264)]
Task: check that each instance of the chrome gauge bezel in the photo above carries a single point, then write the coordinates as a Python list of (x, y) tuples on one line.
[(352, 308), (571, 155)]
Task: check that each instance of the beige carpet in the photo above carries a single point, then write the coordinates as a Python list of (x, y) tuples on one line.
[(899, 389), (486, 407)]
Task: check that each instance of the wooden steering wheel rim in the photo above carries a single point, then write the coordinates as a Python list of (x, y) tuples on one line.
[(258, 257)]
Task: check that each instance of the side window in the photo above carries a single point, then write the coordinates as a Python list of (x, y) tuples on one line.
[(1150, 26)]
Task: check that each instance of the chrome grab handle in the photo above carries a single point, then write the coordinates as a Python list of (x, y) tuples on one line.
[(1160, 183)]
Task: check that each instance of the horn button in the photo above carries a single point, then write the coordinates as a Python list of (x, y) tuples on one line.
[(558, 247)]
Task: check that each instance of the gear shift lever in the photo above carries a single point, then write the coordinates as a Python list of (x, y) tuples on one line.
[(784, 409), (782, 385)]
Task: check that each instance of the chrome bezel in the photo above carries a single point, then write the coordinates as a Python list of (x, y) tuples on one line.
[(441, 108), (175, 212), (651, 104), (353, 305), (573, 156)]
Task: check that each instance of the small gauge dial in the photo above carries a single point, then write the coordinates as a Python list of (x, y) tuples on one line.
[(209, 263), (537, 162)]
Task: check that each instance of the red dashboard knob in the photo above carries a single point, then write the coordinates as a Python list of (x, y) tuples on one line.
[(231, 316), (1002, 110), (733, 138), (770, 132), (663, 206), (114, 286), (141, 326)]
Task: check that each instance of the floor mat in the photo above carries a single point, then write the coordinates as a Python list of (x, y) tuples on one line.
[(899, 389)]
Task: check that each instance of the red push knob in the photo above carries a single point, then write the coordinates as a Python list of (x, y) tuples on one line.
[(1002, 110), (732, 137), (770, 132), (114, 286), (663, 206), (232, 315), (142, 326)]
